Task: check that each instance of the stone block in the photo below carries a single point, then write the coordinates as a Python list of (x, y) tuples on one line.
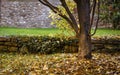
[(98, 46), (13, 39), (13, 49), (3, 39), (3, 48), (10, 44), (2, 43)]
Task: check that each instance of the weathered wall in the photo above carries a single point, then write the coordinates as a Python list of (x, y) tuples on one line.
[(53, 44), (28, 13), (24, 14)]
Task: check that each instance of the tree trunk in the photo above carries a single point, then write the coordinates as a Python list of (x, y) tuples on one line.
[(84, 51)]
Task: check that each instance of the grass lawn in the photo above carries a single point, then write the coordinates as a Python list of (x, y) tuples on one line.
[(59, 64), (107, 32), (4, 31)]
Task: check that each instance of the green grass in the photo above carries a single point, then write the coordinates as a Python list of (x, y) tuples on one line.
[(5, 31), (107, 32), (25, 31)]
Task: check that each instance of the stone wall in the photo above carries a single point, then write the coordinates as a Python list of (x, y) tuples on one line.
[(52, 44), (29, 14), (26, 14)]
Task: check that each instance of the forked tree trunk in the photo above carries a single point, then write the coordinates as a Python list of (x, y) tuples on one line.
[(83, 7)]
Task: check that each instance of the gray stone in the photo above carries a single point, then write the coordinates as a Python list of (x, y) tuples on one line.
[(31, 14)]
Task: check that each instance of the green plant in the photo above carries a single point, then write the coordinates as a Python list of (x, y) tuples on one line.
[(43, 44), (60, 22), (110, 12)]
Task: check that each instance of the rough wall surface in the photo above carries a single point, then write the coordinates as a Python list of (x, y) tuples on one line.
[(53, 44), (24, 14), (28, 14)]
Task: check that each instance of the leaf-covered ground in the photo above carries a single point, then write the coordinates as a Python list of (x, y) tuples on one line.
[(59, 64)]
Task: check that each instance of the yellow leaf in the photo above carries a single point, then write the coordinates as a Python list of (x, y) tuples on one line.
[(45, 67), (51, 74)]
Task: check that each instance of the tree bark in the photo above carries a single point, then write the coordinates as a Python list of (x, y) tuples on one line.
[(84, 50)]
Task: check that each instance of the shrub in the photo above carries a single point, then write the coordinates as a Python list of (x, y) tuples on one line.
[(42, 44)]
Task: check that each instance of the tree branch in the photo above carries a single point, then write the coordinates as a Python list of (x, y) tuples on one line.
[(56, 10), (97, 18), (64, 4), (80, 9), (93, 12), (46, 3)]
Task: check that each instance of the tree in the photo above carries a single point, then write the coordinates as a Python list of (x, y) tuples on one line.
[(82, 28)]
